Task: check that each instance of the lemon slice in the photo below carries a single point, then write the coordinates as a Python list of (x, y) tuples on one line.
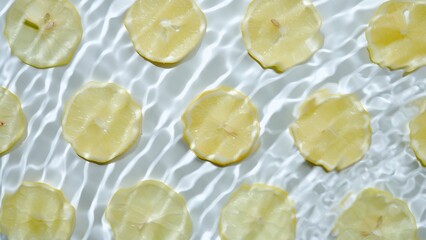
[(418, 137), (12, 121), (376, 214), (149, 210), (332, 130), (43, 33), (36, 211), (165, 31), (221, 126), (101, 121), (258, 212), (396, 35), (281, 33)]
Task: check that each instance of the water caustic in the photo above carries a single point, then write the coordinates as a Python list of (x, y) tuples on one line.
[(221, 126), (101, 121), (43, 33), (149, 210), (375, 215), (36, 211), (332, 130)]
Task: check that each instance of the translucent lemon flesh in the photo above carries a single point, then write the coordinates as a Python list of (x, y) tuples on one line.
[(221, 126), (418, 136), (36, 211), (101, 121), (396, 35), (376, 215), (281, 33), (332, 131), (43, 33), (165, 31), (149, 210), (12, 121), (257, 212)]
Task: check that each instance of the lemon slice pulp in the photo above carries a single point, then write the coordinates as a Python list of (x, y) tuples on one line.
[(101, 121), (221, 126), (149, 210), (281, 33), (12, 121), (376, 214), (43, 33), (257, 212), (332, 131), (418, 136), (165, 31), (36, 211), (396, 35)]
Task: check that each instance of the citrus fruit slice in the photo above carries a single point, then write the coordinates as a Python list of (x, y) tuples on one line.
[(36, 211), (12, 121), (332, 130), (281, 33), (376, 214), (165, 31), (149, 210), (396, 35), (258, 212), (221, 126), (101, 121), (43, 33), (418, 136)]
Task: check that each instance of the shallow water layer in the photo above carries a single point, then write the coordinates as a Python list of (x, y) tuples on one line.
[(106, 54)]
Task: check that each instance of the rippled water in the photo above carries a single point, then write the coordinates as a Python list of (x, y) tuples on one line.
[(106, 54)]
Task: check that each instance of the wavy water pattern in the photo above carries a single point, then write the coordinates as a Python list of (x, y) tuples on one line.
[(106, 54)]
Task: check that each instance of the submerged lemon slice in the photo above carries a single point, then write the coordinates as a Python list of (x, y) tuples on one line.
[(376, 214), (12, 121), (101, 121), (36, 211), (281, 33), (43, 33), (396, 35), (165, 31), (221, 126), (418, 136), (258, 212), (332, 131), (149, 210)]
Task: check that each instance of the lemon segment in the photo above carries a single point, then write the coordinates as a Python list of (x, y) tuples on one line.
[(43, 33), (396, 35), (281, 33), (149, 210), (376, 214), (12, 121), (257, 212), (221, 126), (101, 121), (165, 31), (36, 211), (332, 131), (418, 137)]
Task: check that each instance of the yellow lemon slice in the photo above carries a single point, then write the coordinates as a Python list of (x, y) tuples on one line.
[(258, 212), (221, 126), (43, 33), (165, 31), (101, 121), (418, 136), (36, 211), (12, 121), (396, 35), (376, 214), (149, 210), (332, 131), (281, 33)]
